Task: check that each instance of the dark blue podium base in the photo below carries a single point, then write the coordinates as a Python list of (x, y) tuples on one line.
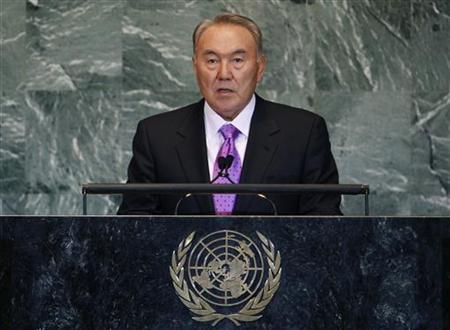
[(113, 272)]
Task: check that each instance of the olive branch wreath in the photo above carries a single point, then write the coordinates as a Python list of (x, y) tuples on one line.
[(203, 310)]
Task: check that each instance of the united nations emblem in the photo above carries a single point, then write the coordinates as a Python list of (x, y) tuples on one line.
[(225, 271)]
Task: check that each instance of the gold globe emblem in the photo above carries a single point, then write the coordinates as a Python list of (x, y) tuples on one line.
[(225, 270)]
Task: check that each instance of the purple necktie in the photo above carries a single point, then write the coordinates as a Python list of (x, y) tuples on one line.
[(224, 203)]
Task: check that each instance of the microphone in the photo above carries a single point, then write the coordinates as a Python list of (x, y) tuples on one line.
[(229, 160), (224, 163)]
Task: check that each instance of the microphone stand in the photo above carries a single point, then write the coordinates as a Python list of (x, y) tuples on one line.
[(224, 164)]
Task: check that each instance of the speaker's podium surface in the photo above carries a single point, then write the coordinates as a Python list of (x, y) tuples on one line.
[(261, 272)]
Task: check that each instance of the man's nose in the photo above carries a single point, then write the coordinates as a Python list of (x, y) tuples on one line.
[(224, 71)]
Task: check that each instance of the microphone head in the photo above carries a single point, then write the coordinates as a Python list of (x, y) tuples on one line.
[(222, 163), (229, 160)]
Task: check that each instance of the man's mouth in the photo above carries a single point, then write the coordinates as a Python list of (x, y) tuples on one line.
[(225, 91)]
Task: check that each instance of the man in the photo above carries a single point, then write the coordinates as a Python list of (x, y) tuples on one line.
[(267, 142)]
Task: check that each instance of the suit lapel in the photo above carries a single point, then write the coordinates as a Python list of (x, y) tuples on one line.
[(261, 147), (192, 154)]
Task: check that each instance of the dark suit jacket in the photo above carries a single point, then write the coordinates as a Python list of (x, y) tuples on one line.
[(285, 145)]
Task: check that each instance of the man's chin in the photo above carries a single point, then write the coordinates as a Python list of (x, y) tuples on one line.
[(228, 112)]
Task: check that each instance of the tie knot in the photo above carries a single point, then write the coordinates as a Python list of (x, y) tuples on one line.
[(229, 131)]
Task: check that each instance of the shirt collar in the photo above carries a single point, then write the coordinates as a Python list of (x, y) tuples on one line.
[(242, 121)]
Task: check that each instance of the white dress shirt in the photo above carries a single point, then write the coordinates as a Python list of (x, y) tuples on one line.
[(214, 139)]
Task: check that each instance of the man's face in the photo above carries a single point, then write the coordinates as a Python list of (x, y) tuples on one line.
[(227, 67)]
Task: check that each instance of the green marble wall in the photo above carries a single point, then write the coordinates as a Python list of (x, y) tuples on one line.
[(76, 76)]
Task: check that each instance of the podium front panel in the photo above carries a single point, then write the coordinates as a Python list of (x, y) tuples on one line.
[(255, 272)]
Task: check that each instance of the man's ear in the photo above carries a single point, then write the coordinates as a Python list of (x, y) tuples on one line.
[(262, 61), (194, 64)]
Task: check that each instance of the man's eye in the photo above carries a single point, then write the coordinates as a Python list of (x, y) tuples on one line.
[(238, 60), (211, 61)]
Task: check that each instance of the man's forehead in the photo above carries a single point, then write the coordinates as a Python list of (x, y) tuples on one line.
[(226, 36), (226, 31)]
